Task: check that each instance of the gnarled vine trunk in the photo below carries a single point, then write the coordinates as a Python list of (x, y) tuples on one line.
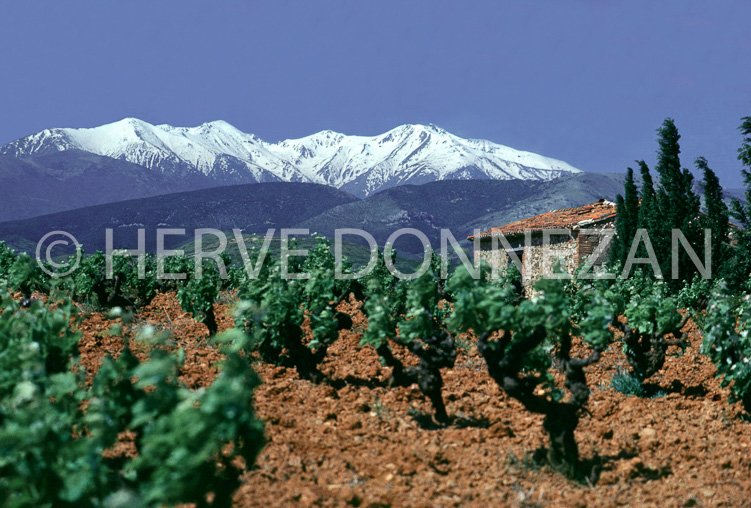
[(561, 418)]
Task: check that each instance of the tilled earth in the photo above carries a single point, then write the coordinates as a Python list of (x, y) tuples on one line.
[(367, 445)]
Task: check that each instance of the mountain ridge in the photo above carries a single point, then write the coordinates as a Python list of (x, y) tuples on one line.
[(251, 207), (457, 206), (361, 165)]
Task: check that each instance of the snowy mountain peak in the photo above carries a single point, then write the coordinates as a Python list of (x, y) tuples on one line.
[(362, 165), (220, 126)]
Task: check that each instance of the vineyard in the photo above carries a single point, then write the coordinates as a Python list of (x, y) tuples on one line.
[(256, 390)]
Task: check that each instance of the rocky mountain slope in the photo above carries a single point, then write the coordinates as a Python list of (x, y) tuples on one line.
[(131, 152), (458, 206)]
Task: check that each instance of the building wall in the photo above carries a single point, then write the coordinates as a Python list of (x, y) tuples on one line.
[(540, 259), (588, 243), (497, 258), (570, 250)]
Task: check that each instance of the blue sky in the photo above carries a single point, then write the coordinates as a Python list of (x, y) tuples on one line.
[(587, 82)]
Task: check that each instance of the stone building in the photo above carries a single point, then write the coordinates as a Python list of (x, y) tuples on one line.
[(571, 235)]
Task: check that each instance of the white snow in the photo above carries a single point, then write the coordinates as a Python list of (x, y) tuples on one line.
[(327, 157)]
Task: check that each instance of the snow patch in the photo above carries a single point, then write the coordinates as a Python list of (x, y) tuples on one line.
[(408, 152)]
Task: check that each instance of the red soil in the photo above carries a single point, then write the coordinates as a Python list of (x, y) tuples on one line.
[(362, 446)]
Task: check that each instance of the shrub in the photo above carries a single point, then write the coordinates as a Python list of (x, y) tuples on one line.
[(694, 296), (381, 282), (727, 341), (520, 342), (25, 275), (7, 258), (124, 288), (624, 382), (273, 310), (625, 290), (650, 318), (52, 448), (197, 296), (581, 293), (421, 329)]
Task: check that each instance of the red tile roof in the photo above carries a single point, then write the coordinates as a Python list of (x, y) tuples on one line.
[(567, 218)]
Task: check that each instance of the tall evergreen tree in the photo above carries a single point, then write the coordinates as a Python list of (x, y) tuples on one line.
[(744, 152), (677, 203), (742, 211), (648, 217), (716, 216), (627, 217), (619, 250), (648, 209), (668, 168), (631, 202), (691, 225)]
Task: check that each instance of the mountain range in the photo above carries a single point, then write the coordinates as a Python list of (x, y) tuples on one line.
[(63, 168), (130, 174), (460, 206)]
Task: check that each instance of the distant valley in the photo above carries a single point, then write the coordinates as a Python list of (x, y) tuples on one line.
[(459, 206)]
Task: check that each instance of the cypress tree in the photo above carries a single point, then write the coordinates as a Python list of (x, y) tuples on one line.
[(677, 203), (627, 217), (648, 208), (741, 262), (740, 212), (648, 217), (668, 168), (691, 225), (744, 152), (619, 251), (668, 192), (716, 216), (631, 203)]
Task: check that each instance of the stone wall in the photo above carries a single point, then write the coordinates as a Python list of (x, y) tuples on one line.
[(497, 258), (570, 249), (539, 259)]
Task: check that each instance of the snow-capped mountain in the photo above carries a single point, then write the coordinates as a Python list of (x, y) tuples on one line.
[(210, 149), (361, 165)]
